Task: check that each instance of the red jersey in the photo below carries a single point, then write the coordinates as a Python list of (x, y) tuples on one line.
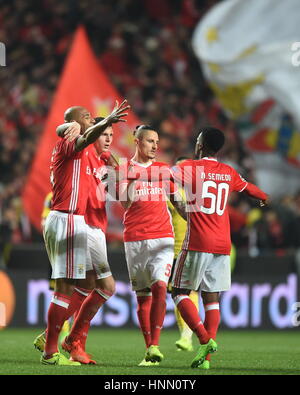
[(69, 178), (210, 184), (95, 211), (148, 216)]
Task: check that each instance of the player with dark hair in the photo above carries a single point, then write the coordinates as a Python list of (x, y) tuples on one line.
[(204, 262), (148, 236)]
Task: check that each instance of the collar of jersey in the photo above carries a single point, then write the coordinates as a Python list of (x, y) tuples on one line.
[(207, 158), (141, 164)]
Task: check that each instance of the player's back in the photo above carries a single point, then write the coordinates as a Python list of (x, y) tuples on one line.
[(209, 185), (69, 178)]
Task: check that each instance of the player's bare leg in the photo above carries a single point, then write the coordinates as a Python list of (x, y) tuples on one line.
[(105, 288)]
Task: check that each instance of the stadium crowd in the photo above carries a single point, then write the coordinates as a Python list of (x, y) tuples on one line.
[(144, 46)]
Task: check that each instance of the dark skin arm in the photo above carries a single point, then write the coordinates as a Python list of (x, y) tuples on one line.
[(61, 129), (93, 132)]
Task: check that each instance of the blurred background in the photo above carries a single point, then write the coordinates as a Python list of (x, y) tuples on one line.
[(181, 64)]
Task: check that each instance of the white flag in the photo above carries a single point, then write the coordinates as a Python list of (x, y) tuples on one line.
[(248, 52)]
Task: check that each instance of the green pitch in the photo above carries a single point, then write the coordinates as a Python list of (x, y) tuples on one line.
[(119, 351)]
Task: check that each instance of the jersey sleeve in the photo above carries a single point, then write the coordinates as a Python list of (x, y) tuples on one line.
[(253, 191), (239, 183), (68, 148)]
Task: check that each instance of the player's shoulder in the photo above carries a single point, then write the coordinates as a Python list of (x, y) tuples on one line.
[(216, 163), (160, 164), (229, 168), (187, 162)]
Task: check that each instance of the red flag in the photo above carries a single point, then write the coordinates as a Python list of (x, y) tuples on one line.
[(82, 83)]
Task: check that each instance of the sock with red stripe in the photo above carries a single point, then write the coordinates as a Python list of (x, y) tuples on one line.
[(56, 317), (158, 310), (212, 321), (143, 312), (190, 314), (88, 310)]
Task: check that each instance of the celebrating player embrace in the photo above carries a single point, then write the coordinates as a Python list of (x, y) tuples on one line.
[(65, 231)]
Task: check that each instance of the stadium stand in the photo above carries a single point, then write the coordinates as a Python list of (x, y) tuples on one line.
[(151, 62)]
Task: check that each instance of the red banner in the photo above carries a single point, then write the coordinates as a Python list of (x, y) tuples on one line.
[(83, 83)]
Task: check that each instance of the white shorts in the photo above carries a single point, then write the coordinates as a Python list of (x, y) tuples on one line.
[(149, 261), (97, 253), (202, 271), (65, 237)]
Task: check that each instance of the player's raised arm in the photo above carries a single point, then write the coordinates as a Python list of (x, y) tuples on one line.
[(93, 132)]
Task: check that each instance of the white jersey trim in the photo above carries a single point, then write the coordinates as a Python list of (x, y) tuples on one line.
[(243, 188), (207, 158), (75, 185), (141, 164)]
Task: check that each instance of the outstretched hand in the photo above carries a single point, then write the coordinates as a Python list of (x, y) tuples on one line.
[(264, 203), (118, 114)]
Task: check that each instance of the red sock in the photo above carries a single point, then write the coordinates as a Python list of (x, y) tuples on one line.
[(190, 315), (212, 321), (88, 310), (78, 297), (56, 318), (158, 310), (143, 313)]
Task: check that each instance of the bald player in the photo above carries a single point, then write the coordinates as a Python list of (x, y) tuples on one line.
[(65, 231)]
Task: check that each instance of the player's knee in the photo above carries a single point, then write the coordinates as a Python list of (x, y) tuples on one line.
[(210, 297), (110, 289), (64, 286), (159, 291), (143, 292), (107, 285), (159, 284), (179, 291), (159, 287), (89, 282)]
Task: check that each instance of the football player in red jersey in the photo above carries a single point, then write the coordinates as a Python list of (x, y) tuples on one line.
[(204, 262), (148, 235), (97, 267), (65, 231), (99, 278)]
